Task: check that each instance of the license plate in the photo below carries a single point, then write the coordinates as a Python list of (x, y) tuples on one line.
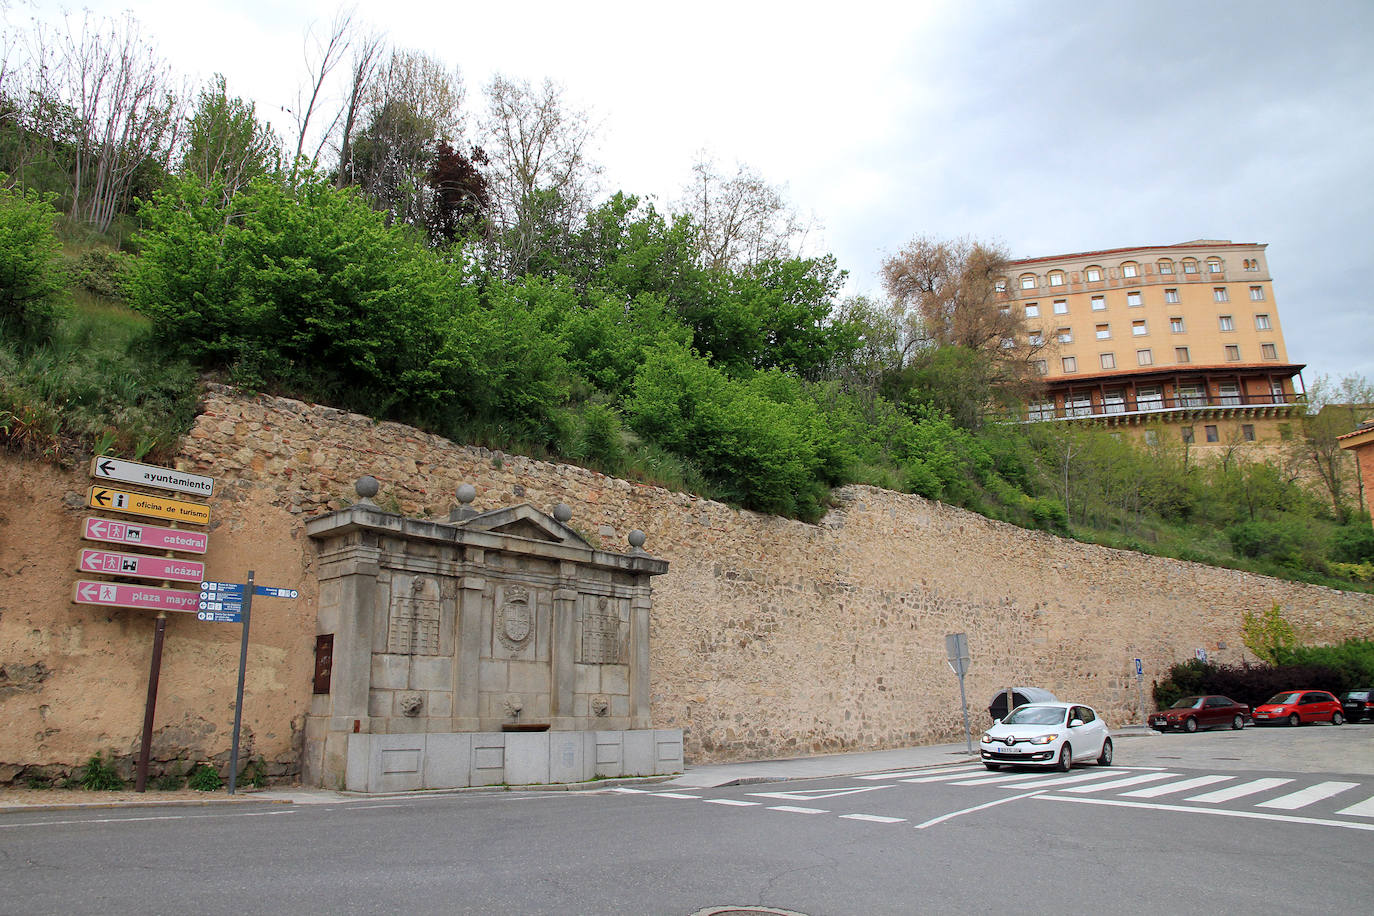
[(1161, 721), (1012, 750)]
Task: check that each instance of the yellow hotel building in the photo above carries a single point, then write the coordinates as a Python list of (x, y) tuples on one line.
[(1186, 334)]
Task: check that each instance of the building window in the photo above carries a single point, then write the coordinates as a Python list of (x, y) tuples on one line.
[(1144, 358), (1171, 295), (1247, 432), (1028, 281), (1061, 306), (1133, 300), (1001, 284), (1032, 309), (1261, 322), (1251, 264), (1268, 351), (1093, 274), (1211, 432), (1069, 363), (1104, 332), (1056, 278), (1149, 397), (1189, 266), (1257, 293), (1004, 310), (1037, 338), (1187, 432), (1276, 392), (1225, 323), (1232, 353), (1181, 355), (1099, 303), (1130, 269), (1078, 405), (1166, 266), (1229, 394), (1114, 401), (1214, 265), (1008, 343), (1138, 328), (1040, 410), (1176, 324), (1108, 360), (1190, 396), (1041, 367), (1064, 335), (1219, 294)]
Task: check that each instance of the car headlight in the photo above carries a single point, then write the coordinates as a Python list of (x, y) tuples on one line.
[(987, 739), (1043, 739)]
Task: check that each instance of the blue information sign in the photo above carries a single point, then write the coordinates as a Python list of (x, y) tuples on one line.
[(220, 616), (223, 589), (268, 591), (1139, 668)]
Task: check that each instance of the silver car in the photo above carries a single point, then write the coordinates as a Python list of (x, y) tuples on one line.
[(1048, 735)]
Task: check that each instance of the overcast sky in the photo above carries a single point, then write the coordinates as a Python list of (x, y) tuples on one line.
[(1050, 127)]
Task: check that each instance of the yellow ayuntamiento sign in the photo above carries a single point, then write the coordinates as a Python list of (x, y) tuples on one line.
[(172, 510)]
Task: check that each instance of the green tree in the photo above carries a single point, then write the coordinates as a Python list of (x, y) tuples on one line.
[(226, 143), (1268, 635), (32, 283)]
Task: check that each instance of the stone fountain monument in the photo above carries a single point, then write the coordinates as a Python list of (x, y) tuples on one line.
[(496, 647)]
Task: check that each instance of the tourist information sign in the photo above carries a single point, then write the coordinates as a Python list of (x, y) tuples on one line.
[(172, 510), (135, 596), (141, 566), (136, 533), (957, 654), (152, 476)]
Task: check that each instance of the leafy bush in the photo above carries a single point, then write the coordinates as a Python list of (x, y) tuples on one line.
[(1249, 684), (1049, 514), (33, 285), (1275, 541), (204, 778), (102, 271), (1352, 543), (100, 776)]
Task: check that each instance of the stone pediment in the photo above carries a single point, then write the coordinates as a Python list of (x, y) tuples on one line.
[(525, 521)]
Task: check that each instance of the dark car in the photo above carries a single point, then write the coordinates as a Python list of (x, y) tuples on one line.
[(1358, 704), (1192, 713), (1297, 707)]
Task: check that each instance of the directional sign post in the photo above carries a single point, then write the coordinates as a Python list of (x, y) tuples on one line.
[(1140, 689), (172, 510), (138, 534), (111, 594), (956, 650), (140, 566), (152, 476)]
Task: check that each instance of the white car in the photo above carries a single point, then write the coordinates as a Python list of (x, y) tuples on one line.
[(1048, 735)]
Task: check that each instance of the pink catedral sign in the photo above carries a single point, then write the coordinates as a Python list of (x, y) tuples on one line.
[(151, 536), (141, 567), (136, 596)]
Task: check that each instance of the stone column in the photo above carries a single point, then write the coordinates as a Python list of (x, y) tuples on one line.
[(468, 646), (563, 651), (355, 571), (640, 606)]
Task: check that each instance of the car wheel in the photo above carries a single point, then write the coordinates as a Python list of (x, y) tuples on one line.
[(1104, 759), (1190, 725), (993, 766), (1237, 723), (1065, 758), (1293, 719), (1337, 718)]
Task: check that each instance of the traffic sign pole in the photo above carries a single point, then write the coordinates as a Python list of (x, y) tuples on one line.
[(238, 697), (150, 704)]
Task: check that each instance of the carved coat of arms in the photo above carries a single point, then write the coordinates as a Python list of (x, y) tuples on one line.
[(515, 620)]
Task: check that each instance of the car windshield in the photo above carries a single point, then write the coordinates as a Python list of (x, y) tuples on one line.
[(1036, 715), (1187, 703), (1280, 699), (1358, 694)]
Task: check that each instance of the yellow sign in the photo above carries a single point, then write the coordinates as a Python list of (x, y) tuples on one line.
[(172, 510)]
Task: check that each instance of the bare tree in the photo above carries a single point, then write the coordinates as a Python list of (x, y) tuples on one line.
[(322, 56), (741, 220), (1334, 409), (542, 179), (367, 53)]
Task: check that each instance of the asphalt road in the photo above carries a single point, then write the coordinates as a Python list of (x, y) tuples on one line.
[(1163, 836)]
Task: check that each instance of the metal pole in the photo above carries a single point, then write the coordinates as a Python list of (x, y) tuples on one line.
[(1140, 691), (150, 705), (963, 701), (238, 697)]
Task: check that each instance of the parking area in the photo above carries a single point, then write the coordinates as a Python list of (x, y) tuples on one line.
[(1318, 748)]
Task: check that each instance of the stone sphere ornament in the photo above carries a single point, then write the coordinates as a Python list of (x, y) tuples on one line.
[(466, 493), (636, 539), (367, 487), (562, 512)]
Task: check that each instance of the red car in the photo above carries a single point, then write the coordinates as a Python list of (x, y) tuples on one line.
[(1192, 713), (1298, 706)]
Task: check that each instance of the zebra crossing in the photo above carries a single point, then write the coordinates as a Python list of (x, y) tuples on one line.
[(1335, 803)]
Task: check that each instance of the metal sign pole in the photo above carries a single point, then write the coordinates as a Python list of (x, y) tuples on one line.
[(238, 697), (963, 701), (1140, 689), (150, 705)]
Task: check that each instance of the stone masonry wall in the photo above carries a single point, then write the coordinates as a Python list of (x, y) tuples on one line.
[(769, 637)]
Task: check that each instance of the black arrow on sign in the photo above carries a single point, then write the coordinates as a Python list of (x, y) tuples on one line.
[(106, 467), (102, 496)]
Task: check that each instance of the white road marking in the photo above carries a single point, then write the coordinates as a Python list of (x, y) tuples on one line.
[(1051, 782), (1223, 812), (990, 780), (944, 817), (1197, 782), (626, 791), (126, 820), (1121, 783), (875, 818), (816, 794), (1245, 788), (674, 795), (734, 802), (954, 773), (791, 809), (1360, 809), (1305, 797)]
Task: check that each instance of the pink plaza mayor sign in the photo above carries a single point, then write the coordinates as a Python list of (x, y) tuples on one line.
[(151, 536), (136, 596)]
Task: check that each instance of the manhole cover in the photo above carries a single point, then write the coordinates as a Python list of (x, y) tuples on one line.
[(745, 911)]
